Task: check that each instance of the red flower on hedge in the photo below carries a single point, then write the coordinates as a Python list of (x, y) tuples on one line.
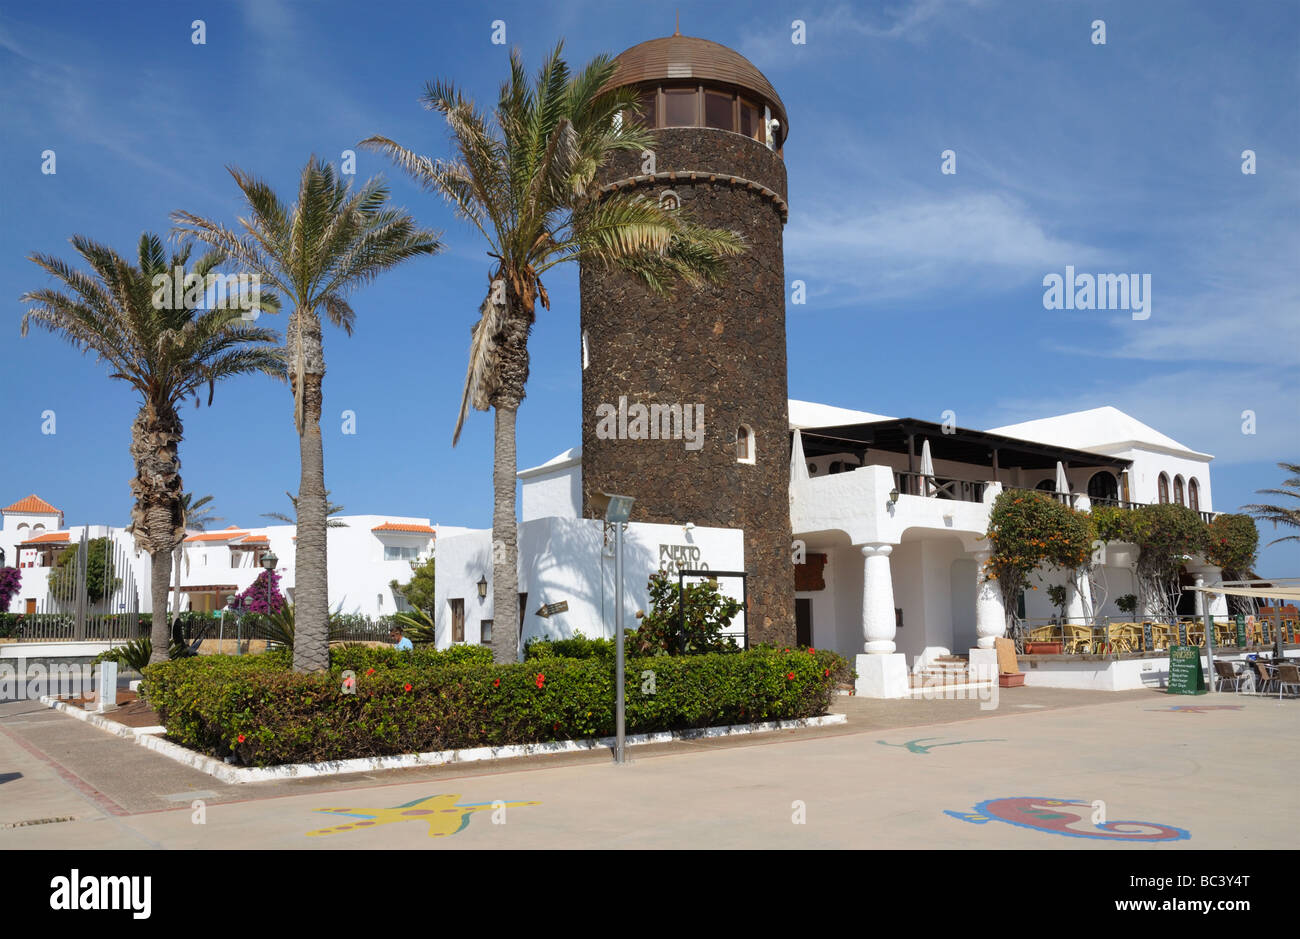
[(787, 650), (828, 673), (789, 676), (240, 738), (408, 686), (811, 650), (541, 679), (370, 671), (496, 683)]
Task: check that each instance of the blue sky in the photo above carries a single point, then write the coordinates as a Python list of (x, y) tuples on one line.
[(924, 289)]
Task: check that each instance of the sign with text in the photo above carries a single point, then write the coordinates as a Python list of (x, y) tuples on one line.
[(550, 609), (1147, 642), (1240, 620), (1186, 674), (676, 557)]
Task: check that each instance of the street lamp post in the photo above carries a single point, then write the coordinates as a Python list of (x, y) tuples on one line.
[(221, 628), (617, 513), (269, 560)]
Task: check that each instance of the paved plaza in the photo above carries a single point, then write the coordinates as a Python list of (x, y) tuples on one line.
[(1046, 769)]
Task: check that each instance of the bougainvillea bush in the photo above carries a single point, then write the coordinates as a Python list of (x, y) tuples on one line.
[(261, 596), (257, 711), (11, 581)]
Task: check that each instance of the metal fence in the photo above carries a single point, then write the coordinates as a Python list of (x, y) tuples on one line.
[(92, 594)]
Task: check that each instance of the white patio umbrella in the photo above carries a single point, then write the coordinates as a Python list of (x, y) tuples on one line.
[(1062, 481), (927, 469), (798, 464)]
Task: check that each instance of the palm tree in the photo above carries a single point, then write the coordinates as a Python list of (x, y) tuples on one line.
[(165, 346), (1280, 514), (330, 509), (196, 515), (525, 181), (316, 252)]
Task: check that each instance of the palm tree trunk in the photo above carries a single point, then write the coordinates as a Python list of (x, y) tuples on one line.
[(160, 566), (505, 538), (311, 648), (157, 519), (176, 564)]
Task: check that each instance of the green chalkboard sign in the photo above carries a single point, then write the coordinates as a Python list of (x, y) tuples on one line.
[(1147, 644), (1267, 635), (1186, 675), (1241, 630)]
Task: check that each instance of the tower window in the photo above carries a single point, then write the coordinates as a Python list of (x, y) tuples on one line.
[(1178, 490), (744, 444), (751, 120), (1162, 488), (1193, 494), (717, 111), (680, 105)]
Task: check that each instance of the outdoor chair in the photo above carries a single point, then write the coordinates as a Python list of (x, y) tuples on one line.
[(1265, 679), (1288, 676), (1227, 675)]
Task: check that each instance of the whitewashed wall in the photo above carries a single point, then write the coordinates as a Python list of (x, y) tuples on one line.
[(566, 559)]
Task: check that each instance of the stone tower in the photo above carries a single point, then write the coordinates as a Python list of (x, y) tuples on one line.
[(720, 127)]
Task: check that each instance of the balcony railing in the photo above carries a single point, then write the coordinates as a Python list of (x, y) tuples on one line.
[(940, 487)]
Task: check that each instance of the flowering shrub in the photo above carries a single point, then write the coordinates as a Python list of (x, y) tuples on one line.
[(11, 581), (1027, 530), (255, 709), (263, 594)]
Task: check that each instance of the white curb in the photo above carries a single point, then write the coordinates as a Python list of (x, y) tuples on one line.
[(145, 737)]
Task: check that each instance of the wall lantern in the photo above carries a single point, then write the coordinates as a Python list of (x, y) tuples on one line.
[(893, 496), (482, 587), (269, 560)]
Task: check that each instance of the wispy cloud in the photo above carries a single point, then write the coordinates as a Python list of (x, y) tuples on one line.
[(926, 245)]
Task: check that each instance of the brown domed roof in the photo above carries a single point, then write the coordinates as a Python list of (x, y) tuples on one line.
[(676, 56)]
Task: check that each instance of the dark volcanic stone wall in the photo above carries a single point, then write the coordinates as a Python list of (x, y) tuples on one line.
[(723, 347)]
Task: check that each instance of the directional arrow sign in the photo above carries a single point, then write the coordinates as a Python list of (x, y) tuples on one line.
[(550, 608)]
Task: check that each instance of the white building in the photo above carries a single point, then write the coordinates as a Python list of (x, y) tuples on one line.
[(889, 517), (366, 553)]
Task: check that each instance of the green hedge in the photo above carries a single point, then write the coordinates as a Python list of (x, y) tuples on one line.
[(417, 705)]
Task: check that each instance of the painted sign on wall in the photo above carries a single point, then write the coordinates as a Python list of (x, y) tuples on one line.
[(676, 557)]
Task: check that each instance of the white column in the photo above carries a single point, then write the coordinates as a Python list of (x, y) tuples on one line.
[(878, 623), (1199, 597), (1076, 611), (990, 616)]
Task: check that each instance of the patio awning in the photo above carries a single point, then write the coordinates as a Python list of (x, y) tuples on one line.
[(957, 444)]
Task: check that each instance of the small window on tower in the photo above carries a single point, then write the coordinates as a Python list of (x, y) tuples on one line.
[(717, 111), (751, 120), (680, 107), (744, 444)]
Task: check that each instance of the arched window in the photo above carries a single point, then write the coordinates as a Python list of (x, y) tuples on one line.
[(23, 530), (1103, 485), (1047, 485), (1194, 494), (1162, 487), (1178, 490), (744, 444)]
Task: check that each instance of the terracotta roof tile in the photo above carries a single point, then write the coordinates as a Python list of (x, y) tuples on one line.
[(33, 504), (48, 538), (226, 535), (405, 527)]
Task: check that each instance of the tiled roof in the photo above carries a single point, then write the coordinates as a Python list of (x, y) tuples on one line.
[(233, 531), (49, 537), (255, 539), (32, 505), (405, 527)]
